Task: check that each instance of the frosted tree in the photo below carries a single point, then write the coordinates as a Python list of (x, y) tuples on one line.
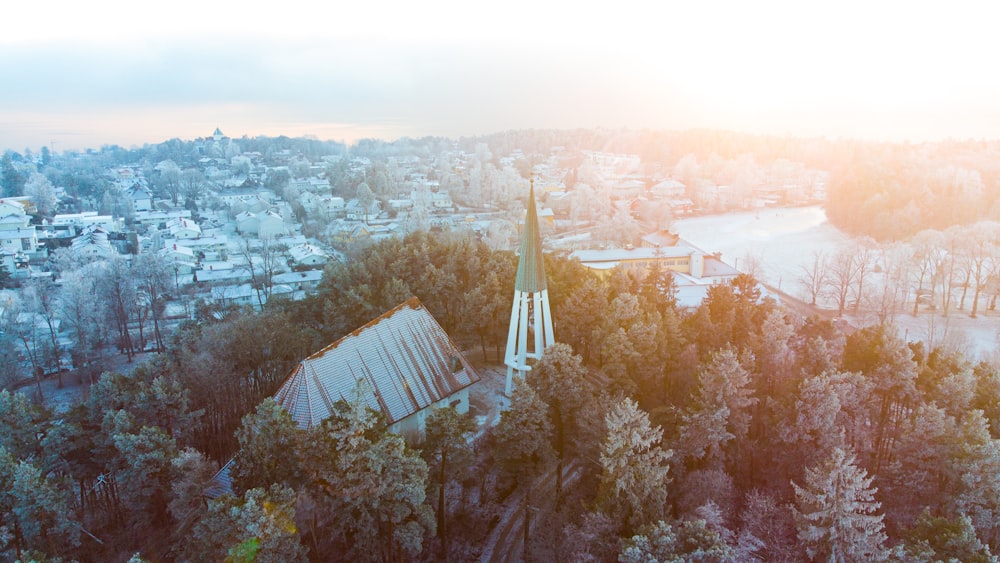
[(558, 378), (447, 450), (722, 411), (634, 467), (269, 443), (193, 474), (35, 511), (691, 540), (42, 194), (976, 461), (524, 444), (257, 526), (836, 512), (934, 538), (817, 427), (767, 532), (368, 486)]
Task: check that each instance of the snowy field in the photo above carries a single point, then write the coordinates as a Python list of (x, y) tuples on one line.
[(782, 242)]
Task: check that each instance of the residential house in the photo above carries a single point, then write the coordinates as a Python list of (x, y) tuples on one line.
[(343, 232), (235, 195), (183, 228), (207, 248), (357, 212), (13, 206), (79, 221), (441, 200), (142, 198), (297, 281), (668, 189), (247, 223), (243, 294), (270, 224), (151, 218), (222, 273), (92, 244), (16, 263), (307, 255), (15, 232), (181, 258)]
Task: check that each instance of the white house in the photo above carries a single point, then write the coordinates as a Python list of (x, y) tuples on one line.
[(247, 223), (15, 232), (86, 219), (181, 257), (211, 248), (307, 255), (270, 224), (12, 206), (16, 263), (308, 279), (142, 198), (183, 228), (161, 217), (92, 244), (357, 212), (441, 200)]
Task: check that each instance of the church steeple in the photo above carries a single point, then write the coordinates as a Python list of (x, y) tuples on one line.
[(530, 266), (531, 302)]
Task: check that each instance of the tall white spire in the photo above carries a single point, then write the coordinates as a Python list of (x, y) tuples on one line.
[(530, 309)]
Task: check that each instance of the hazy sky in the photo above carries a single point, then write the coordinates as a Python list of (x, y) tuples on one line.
[(82, 74)]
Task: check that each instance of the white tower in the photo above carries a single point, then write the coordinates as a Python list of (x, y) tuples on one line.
[(530, 330)]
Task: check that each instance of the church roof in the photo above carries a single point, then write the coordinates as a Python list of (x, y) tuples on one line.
[(404, 356), (530, 266)]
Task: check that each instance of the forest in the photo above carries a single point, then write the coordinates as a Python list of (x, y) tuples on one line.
[(736, 431)]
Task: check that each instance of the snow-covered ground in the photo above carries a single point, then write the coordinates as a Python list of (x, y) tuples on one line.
[(783, 240)]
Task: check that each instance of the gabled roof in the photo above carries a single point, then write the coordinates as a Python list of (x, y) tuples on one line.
[(405, 357), (530, 266)]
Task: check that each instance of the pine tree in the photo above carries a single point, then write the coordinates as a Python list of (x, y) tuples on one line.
[(369, 487), (836, 512), (722, 412), (524, 444), (269, 445), (446, 448), (690, 540), (256, 526), (558, 378), (634, 467)]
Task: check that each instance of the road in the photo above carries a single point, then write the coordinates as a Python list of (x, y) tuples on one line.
[(505, 543)]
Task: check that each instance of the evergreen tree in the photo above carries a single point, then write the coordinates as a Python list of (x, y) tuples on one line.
[(691, 540), (11, 177), (722, 411), (368, 486), (836, 512), (446, 447), (934, 538), (524, 444), (558, 378), (269, 449), (257, 526), (634, 467)]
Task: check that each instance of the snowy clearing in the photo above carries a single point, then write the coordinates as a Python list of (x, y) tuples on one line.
[(783, 241)]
